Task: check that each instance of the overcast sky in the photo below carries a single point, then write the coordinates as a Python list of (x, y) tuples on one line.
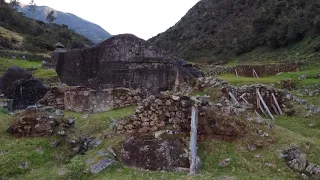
[(144, 18)]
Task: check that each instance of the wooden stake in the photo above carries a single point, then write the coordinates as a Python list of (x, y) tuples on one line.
[(261, 108), (258, 114), (275, 109), (236, 72), (255, 74), (277, 104), (233, 98), (244, 100), (193, 141), (264, 104)]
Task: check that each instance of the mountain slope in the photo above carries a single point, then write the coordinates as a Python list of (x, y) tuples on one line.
[(81, 26), (18, 32), (219, 29)]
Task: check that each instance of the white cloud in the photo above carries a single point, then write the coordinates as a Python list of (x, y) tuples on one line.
[(144, 18)]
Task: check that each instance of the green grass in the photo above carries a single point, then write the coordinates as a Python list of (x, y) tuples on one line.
[(311, 73), (299, 51), (6, 63), (11, 36)]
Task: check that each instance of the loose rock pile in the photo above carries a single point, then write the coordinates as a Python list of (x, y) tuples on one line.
[(297, 160), (38, 123), (209, 82)]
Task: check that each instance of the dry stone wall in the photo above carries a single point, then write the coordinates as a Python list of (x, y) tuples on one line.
[(261, 69), (82, 99), (157, 112)]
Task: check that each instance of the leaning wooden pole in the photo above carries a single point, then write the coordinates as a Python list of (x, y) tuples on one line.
[(233, 98), (255, 73), (277, 104), (193, 141), (264, 104), (235, 70)]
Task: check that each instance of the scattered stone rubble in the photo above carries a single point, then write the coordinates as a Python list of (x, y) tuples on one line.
[(82, 99), (38, 123), (209, 82), (298, 161)]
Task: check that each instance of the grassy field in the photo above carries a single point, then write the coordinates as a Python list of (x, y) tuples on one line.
[(6, 63), (11, 36), (54, 163), (310, 71)]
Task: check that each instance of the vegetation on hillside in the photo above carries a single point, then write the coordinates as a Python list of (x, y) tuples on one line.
[(217, 30), (37, 35)]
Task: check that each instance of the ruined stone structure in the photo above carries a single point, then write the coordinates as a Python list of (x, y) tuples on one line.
[(123, 61), (82, 99), (172, 113), (261, 69)]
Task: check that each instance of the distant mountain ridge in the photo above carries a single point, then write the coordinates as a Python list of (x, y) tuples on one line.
[(86, 28)]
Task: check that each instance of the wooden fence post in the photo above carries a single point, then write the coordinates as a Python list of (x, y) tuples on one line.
[(193, 141)]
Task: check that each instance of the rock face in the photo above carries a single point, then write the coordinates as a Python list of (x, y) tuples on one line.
[(20, 86), (123, 61), (154, 154)]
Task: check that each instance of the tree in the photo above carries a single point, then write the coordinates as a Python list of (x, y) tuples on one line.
[(50, 17), (32, 7), (14, 3)]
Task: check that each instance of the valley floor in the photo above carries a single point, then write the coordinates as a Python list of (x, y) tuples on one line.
[(36, 158)]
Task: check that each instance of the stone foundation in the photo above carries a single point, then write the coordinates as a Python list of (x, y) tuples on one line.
[(81, 99)]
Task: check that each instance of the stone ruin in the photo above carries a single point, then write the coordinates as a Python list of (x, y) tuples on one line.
[(171, 113), (123, 61), (86, 100), (262, 70)]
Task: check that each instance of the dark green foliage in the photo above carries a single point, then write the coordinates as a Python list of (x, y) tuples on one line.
[(39, 36), (51, 17), (217, 29), (32, 6)]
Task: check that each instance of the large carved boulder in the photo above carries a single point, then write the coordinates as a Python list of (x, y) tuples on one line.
[(123, 61), (155, 154), (19, 85)]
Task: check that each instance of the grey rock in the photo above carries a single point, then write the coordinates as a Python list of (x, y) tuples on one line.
[(225, 162), (23, 165), (105, 163), (252, 147), (59, 112)]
